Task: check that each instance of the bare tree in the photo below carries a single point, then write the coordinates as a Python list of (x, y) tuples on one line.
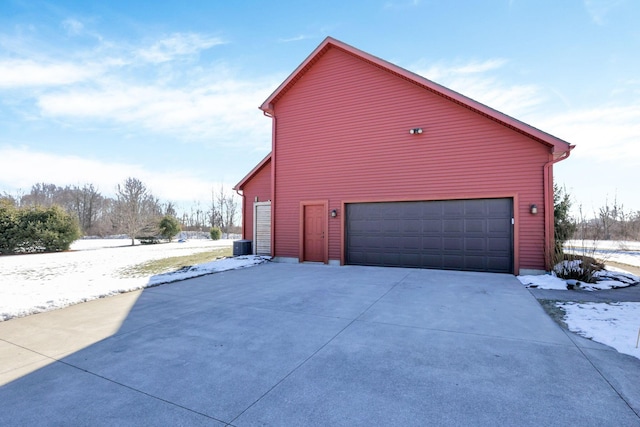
[(136, 209), (87, 205), (224, 210), (170, 209), (41, 194)]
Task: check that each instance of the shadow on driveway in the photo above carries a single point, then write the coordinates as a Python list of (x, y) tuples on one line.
[(295, 344)]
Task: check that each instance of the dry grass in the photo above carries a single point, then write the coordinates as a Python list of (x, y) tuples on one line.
[(578, 267), (174, 263)]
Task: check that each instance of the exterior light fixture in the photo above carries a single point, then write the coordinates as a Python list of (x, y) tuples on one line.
[(533, 209), (415, 131), (334, 213)]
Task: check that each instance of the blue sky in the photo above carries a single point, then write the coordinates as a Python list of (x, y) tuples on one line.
[(168, 91)]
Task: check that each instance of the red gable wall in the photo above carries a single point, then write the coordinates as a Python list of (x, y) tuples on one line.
[(342, 134)]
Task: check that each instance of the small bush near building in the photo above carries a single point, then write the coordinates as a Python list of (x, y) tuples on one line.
[(578, 267), (215, 233)]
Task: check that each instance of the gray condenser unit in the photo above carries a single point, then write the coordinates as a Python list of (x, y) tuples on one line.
[(241, 247)]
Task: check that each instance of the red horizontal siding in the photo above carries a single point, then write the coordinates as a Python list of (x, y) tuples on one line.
[(343, 134), (258, 186)]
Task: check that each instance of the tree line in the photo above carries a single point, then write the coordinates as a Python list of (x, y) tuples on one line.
[(610, 222), (133, 211)]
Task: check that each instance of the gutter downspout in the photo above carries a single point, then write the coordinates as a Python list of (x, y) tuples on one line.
[(548, 203), (244, 210), (270, 113)]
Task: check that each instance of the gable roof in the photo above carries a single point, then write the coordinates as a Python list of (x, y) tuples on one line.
[(558, 146), (253, 172)]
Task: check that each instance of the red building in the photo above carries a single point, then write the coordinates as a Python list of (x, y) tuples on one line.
[(374, 165)]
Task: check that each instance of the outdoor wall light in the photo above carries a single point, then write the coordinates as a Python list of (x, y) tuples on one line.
[(415, 131), (533, 209), (334, 213)]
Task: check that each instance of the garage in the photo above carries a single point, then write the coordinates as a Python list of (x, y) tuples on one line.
[(473, 235)]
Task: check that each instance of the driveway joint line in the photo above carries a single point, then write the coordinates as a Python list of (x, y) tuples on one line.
[(54, 359), (140, 391), (30, 350), (466, 333), (586, 356), (317, 351), (395, 285)]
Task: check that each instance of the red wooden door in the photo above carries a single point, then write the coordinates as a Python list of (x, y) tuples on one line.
[(314, 233)]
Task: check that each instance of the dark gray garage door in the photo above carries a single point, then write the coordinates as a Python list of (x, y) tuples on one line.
[(473, 235)]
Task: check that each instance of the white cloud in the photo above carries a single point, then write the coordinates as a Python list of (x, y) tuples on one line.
[(73, 26), (15, 73), (218, 111), (602, 134), (294, 39), (176, 45), (401, 4), (472, 79), (606, 158), (23, 167), (599, 9), (121, 86)]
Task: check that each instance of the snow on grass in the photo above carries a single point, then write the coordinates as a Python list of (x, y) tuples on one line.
[(207, 268), (543, 281), (614, 324), (41, 282), (614, 245), (623, 252), (606, 279), (609, 278)]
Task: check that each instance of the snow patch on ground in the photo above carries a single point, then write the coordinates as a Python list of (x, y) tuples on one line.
[(544, 281), (614, 324), (207, 268), (40, 282), (623, 252), (606, 279)]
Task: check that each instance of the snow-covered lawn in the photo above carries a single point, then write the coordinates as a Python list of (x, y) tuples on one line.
[(613, 324), (616, 324), (607, 250), (40, 282)]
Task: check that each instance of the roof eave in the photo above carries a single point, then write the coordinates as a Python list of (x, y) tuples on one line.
[(557, 145), (252, 173)]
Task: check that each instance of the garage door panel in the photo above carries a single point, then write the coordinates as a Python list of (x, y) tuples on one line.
[(497, 264), (475, 208), (497, 225), (411, 226), (372, 242), (455, 234), (475, 226), (412, 260), (498, 206), (452, 262), (453, 208), (431, 243), (411, 211), (475, 263), (475, 244), (389, 259), (497, 244), (390, 226), (391, 243), (453, 243), (432, 210), (432, 226), (412, 242), (452, 225)]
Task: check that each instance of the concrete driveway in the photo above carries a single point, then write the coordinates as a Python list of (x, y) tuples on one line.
[(291, 344)]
